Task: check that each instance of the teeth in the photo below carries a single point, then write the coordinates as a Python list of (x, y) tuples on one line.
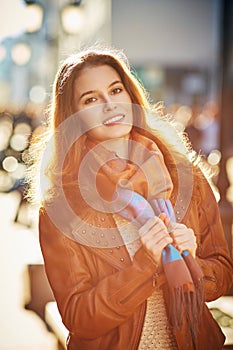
[(114, 119)]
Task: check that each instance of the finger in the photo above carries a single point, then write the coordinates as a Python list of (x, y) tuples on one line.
[(154, 229), (183, 232), (185, 242), (177, 229), (180, 240), (173, 237), (148, 225), (187, 247), (156, 234), (157, 247), (177, 226), (162, 217), (153, 242), (165, 219)]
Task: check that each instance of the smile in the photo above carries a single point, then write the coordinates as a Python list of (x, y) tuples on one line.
[(114, 120)]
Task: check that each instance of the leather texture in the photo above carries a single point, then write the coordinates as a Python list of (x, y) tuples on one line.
[(101, 294)]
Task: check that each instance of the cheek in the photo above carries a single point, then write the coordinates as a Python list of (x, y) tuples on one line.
[(89, 118), (97, 133), (102, 133), (130, 114)]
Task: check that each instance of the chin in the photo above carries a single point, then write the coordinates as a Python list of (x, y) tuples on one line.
[(120, 131), (112, 132)]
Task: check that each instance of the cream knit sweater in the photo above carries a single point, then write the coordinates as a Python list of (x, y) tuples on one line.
[(156, 332)]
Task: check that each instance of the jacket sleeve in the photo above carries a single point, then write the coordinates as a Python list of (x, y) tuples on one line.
[(212, 251), (90, 306)]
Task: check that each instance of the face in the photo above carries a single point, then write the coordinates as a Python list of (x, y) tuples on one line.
[(103, 104)]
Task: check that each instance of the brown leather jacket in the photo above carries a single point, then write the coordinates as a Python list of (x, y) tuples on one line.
[(101, 293)]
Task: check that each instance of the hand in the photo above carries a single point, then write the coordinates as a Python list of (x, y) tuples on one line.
[(183, 238), (155, 237)]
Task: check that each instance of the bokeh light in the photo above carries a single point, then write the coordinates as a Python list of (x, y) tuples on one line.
[(10, 164), (16, 129), (214, 157), (34, 17), (72, 19), (19, 142), (37, 94), (21, 54), (23, 129), (202, 121), (183, 116)]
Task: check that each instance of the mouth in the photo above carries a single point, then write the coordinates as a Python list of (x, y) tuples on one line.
[(114, 120)]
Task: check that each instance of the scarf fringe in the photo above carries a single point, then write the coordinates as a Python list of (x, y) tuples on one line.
[(198, 280), (186, 306)]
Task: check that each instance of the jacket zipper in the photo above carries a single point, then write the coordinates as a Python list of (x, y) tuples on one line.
[(140, 327)]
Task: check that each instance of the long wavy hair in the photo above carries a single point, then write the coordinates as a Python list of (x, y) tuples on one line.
[(49, 148)]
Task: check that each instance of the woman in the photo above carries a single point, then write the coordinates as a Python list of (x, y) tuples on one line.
[(116, 169)]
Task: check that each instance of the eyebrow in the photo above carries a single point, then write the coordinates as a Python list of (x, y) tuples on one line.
[(93, 91)]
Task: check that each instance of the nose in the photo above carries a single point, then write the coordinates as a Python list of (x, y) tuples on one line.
[(109, 105)]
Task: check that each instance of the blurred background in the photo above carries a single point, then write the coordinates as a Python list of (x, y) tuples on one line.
[(182, 52)]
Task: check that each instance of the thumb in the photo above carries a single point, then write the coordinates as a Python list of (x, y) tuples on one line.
[(165, 219)]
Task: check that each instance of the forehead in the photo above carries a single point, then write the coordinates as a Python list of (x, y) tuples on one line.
[(92, 78)]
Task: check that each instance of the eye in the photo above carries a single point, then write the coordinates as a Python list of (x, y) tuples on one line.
[(90, 100), (117, 90)]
